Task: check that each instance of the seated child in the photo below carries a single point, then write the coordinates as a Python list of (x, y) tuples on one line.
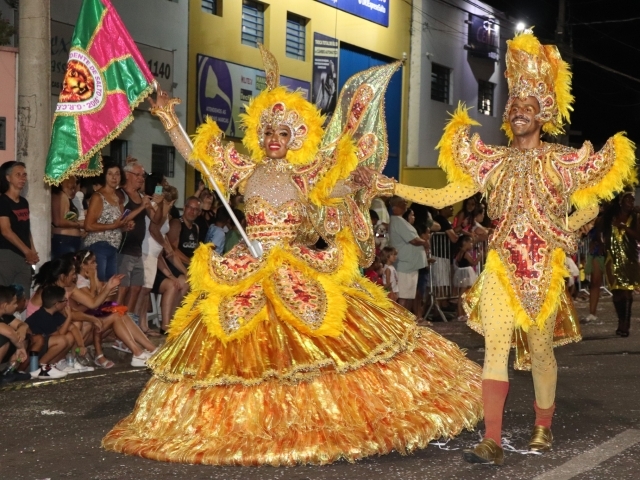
[(52, 332), (12, 333)]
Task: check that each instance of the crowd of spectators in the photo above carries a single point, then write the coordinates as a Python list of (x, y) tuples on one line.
[(116, 239), (119, 243), (416, 267)]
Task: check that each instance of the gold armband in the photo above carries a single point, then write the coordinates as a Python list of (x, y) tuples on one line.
[(167, 114)]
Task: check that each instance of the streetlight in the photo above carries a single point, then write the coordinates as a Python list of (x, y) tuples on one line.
[(520, 27)]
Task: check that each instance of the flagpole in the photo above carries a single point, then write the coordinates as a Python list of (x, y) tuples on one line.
[(254, 245)]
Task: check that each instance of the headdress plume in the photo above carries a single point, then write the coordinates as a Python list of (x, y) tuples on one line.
[(277, 106), (538, 71)]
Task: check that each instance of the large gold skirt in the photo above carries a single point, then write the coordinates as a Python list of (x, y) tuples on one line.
[(279, 397)]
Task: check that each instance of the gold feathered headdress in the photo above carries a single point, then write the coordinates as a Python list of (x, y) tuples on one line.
[(276, 106), (536, 70)]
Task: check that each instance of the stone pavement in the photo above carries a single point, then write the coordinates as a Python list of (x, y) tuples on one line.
[(54, 430)]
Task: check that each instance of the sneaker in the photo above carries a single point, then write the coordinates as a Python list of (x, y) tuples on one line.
[(588, 319), (62, 365), (79, 368), (118, 345), (49, 371), (140, 361), (147, 354), (14, 377)]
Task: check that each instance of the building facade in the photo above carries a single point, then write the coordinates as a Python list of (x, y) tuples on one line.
[(319, 44), (159, 27), (457, 55)]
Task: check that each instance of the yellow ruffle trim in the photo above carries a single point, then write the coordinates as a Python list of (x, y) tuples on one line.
[(370, 334), (447, 158), (431, 392), (621, 174), (294, 101), (207, 294), (346, 161), (551, 300)]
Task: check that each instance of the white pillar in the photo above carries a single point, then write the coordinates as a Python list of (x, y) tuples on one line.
[(415, 86), (34, 114)]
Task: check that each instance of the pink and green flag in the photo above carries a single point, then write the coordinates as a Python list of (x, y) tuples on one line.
[(106, 79)]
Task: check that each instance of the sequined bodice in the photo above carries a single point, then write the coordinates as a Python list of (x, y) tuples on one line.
[(529, 204), (527, 201), (272, 206)]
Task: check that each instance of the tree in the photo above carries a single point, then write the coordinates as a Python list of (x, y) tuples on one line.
[(6, 31)]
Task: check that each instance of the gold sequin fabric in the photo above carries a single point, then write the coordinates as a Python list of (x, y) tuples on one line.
[(566, 324), (621, 265), (383, 385), (528, 196), (294, 357)]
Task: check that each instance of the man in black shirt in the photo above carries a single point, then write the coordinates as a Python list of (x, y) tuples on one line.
[(130, 262)]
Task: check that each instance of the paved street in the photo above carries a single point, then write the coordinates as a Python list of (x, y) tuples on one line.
[(54, 430)]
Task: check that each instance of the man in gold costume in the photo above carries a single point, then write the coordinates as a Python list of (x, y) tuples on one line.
[(292, 356), (531, 187)]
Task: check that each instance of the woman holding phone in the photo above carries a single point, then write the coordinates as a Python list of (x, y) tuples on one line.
[(105, 221)]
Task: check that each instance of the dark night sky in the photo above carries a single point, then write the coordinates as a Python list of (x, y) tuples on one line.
[(605, 102)]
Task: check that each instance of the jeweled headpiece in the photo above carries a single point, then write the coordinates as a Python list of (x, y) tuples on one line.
[(277, 106), (536, 70)]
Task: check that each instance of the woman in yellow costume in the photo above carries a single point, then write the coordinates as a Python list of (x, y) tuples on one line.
[(294, 357), (520, 297)]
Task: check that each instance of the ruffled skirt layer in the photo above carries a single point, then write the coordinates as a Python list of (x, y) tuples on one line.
[(278, 397)]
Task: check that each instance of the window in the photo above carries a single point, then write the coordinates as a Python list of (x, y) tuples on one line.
[(118, 151), (485, 97), (252, 23), (440, 78), (163, 160), (296, 34), (3, 133), (212, 6)]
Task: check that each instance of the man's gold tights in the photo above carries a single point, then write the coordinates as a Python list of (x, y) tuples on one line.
[(498, 323)]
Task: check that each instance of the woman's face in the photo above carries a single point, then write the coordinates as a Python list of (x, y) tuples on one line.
[(69, 280), (18, 177), (113, 177), (276, 141), (411, 217), (471, 205), (90, 264), (22, 304), (207, 201), (70, 187)]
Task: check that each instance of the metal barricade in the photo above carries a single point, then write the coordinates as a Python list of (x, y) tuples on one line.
[(441, 272)]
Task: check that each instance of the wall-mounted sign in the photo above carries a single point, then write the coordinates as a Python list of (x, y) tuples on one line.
[(376, 11), (224, 88), (326, 54), (160, 61), (484, 37)]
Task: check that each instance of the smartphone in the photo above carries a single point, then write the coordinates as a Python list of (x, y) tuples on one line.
[(158, 190), (125, 213)]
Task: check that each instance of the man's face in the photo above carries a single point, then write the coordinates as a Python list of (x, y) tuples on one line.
[(135, 178), (399, 208), (446, 212), (10, 307), (628, 202), (522, 116), (191, 210)]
